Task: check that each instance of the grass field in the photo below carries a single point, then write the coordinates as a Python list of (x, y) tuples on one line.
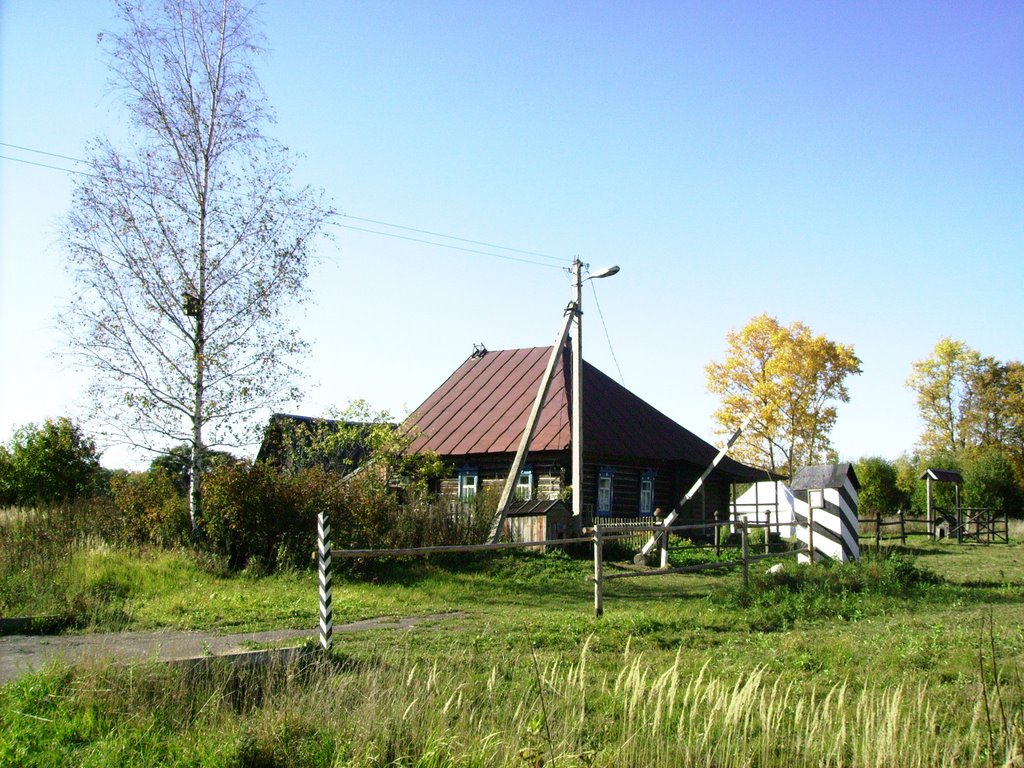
[(909, 659)]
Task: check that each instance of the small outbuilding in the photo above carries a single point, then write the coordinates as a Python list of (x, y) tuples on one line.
[(828, 524), (933, 475)]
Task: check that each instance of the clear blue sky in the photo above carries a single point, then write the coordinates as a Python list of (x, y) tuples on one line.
[(856, 166)]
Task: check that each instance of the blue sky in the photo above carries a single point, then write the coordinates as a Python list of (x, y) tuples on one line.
[(855, 166)]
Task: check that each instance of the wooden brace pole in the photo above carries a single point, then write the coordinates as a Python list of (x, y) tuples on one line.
[(671, 516), (531, 425)]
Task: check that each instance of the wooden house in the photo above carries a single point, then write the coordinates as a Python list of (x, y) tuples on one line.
[(296, 442), (635, 459)]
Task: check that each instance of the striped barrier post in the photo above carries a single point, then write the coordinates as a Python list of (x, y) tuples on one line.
[(323, 550)]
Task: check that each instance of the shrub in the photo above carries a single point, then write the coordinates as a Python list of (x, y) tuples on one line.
[(257, 516), (150, 508)]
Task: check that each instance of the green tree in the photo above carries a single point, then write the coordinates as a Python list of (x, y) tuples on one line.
[(51, 463), (186, 241), (7, 486), (790, 380), (989, 481), (177, 463), (945, 384), (880, 489)]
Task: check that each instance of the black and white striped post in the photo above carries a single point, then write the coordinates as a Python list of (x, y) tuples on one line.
[(323, 551)]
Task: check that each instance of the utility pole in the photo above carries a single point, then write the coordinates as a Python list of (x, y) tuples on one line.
[(577, 396)]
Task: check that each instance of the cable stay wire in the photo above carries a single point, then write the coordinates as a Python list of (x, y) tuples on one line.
[(607, 337)]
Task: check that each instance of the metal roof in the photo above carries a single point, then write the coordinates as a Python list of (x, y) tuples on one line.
[(824, 476), (483, 406), (943, 476)]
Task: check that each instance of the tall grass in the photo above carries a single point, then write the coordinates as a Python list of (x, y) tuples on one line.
[(399, 710)]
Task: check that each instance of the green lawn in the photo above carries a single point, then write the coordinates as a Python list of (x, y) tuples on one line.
[(526, 676)]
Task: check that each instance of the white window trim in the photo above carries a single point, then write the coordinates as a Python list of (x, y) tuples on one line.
[(602, 476), (524, 487), (647, 493), (469, 484)]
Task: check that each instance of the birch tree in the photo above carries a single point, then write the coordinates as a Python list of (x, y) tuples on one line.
[(187, 240), (790, 380)]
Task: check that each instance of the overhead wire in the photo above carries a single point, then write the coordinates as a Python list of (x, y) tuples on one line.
[(447, 245), (607, 337), (377, 222), (457, 239)]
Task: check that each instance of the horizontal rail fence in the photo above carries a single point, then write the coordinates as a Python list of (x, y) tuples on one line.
[(597, 535), (983, 525), (600, 534), (966, 524)]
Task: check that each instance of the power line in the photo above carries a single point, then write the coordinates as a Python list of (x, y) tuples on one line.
[(45, 165), (457, 239), (446, 245), (41, 152), (337, 224)]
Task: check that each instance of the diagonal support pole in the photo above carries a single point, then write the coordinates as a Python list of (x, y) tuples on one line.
[(531, 425), (670, 518)]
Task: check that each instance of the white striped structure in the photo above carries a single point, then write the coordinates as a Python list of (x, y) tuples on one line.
[(323, 551), (826, 512)]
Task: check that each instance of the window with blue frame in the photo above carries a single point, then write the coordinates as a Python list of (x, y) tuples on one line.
[(605, 490), (469, 480), (647, 493), (524, 488)]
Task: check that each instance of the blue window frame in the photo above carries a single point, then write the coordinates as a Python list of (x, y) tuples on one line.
[(647, 493), (605, 490), (469, 481)]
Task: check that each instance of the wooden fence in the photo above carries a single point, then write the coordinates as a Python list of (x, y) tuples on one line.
[(965, 524), (598, 535)]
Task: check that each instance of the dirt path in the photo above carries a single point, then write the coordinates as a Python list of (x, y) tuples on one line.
[(22, 653)]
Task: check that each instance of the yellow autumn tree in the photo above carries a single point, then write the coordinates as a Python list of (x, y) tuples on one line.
[(791, 381)]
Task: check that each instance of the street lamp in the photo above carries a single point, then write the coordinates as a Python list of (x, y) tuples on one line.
[(577, 383)]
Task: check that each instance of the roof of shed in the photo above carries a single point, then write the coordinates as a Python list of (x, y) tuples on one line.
[(483, 407), (824, 476), (943, 475)]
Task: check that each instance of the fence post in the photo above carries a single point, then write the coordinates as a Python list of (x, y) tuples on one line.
[(323, 551), (718, 537), (663, 546), (878, 530), (903, 528), (598, 573), (810, 529), (744, 542), (1006, 525)]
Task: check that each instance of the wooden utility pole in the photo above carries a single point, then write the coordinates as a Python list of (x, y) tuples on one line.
[(577, 396)]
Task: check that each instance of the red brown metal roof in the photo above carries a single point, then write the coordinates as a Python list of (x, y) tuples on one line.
[(483, 407)]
